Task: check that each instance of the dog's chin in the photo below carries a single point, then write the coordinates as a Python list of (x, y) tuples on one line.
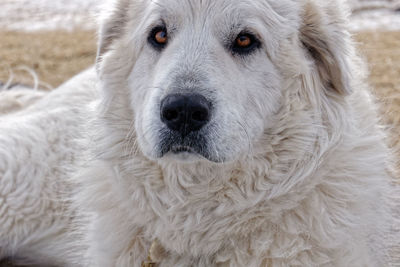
[(183, 157)]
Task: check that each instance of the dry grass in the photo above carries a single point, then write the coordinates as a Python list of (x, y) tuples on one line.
[(54, 56), (382, 50)]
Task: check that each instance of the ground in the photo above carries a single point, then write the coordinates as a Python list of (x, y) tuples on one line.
[(55, 56), (382, 51)]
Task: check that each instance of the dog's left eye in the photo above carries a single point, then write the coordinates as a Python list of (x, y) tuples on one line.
[(245, 43), (158, 37)]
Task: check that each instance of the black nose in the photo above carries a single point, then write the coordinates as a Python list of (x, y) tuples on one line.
[(185, 113)]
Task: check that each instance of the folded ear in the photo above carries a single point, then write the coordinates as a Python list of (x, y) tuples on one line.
[(112, 25), (324, 35)]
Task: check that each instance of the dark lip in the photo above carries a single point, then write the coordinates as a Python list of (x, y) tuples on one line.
[(182, 149), (194, 144)]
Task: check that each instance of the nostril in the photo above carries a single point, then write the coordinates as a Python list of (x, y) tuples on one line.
[(200, 115), (170, 114)]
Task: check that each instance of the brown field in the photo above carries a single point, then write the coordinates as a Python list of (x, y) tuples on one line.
[(382, 51), (57, 56), (54, 56)]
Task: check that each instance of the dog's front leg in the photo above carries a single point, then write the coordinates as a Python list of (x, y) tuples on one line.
[(111, 246)]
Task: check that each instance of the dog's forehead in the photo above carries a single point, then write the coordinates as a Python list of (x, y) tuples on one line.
[(273, 13)]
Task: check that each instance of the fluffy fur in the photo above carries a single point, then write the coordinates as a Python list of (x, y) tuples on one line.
[(293, 170)]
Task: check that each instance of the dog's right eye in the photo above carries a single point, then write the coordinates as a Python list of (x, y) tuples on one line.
[(158, 37), (245, 43)]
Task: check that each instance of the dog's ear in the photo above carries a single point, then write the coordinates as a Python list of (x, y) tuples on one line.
[(324, 36), (112, 26)]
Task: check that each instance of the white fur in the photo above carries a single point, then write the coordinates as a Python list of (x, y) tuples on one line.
[(297, 172)]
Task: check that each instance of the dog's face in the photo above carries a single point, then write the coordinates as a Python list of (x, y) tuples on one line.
[(204, 85), (206, 81)]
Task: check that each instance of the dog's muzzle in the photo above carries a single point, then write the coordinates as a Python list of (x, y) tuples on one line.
[(185, 117)]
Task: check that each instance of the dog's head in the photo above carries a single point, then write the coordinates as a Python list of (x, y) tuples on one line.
[(206, 79)]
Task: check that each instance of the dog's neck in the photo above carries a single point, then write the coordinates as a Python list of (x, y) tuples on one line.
[(203, 202)]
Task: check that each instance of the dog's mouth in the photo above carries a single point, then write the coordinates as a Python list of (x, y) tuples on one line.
[(183, 154), (182, 149), (192, 148)]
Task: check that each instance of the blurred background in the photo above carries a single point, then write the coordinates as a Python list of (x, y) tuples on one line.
[(55, 39)]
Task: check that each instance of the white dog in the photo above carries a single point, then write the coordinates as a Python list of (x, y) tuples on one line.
[(224, 133)]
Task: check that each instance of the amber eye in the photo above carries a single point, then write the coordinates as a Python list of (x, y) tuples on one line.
[(161, 37), (158, 37), (245, 43)]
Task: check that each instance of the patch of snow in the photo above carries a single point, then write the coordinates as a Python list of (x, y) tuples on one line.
[(358, 5), (37, 15), (382, 19)]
